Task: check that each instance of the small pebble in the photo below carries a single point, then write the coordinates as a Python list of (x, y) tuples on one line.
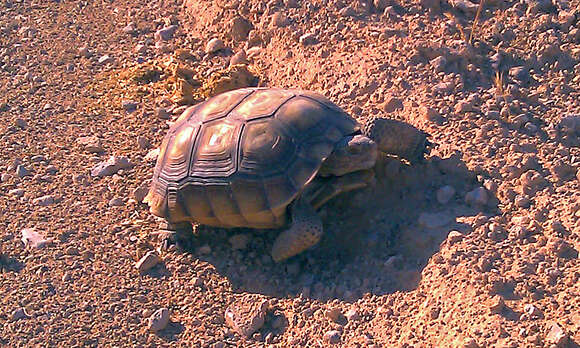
[(445, 193), (332, 337), (21, 171), (16, 192), (116, 202), (334, 314), (148, 261), (497, 304), (557, 336), (239, 241), (44, 201), (477, 197), (143, 142), (308, 39), (352, 315), (165, 33), (18, 314), (214, 45), (239, 58), (159, 320), (454, 237)]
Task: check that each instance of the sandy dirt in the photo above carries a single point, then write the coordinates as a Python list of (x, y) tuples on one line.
[(476, 247)]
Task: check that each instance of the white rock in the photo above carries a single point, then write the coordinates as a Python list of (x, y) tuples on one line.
[(332, 337), (44, 201), (557, 336), (111, 166), (32, 238), (159, 320), (148, 261), (152, 155), (165, 33), (16, 192)]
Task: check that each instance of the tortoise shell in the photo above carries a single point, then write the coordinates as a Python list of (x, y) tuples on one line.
[(239, 158)]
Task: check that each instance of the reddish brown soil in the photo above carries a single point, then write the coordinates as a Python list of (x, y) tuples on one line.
[(504, 111)]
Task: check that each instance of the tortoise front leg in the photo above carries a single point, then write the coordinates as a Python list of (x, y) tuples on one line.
[(336, 185), (397, 138), (305, 231)]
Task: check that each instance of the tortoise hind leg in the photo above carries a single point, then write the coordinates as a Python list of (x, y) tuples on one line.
[(397, 138), (305, 231)]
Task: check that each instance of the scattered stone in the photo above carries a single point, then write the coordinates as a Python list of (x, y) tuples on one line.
[(72, 251), (130, 29), (497, 304), (240, 28), (166, 33), (247, 315), (445, 193), (279, 20), (18, 314), (111, 166), (557, 336), (143, 142), (470, 343), (454, 237), (148, 261), (5, 177), (197, 282), (335, 315), (21, 171), (434, 220), (308, 39), (439, 63), (532, 311), (162, 114), (332, 337), (116, 202), (91, 144), (562, 171), (159, 320), (105, 59), (16, 192), (239, 241), (129, 105), (392, 104), (477, 197), (85, 52), (214, 45), (463, 107), (352, 315), (239, 58), (44, 201), (152, 155), (32, 238), (140, 192)]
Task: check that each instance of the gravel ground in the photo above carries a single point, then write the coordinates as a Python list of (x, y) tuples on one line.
[(476, 247)]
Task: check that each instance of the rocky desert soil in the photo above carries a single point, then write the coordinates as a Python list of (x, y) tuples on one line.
[(476, 247)]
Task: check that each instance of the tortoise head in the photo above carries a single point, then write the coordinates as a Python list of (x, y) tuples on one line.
[(351, 154)]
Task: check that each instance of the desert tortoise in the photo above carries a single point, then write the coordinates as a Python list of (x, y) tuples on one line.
[(260, 157)]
